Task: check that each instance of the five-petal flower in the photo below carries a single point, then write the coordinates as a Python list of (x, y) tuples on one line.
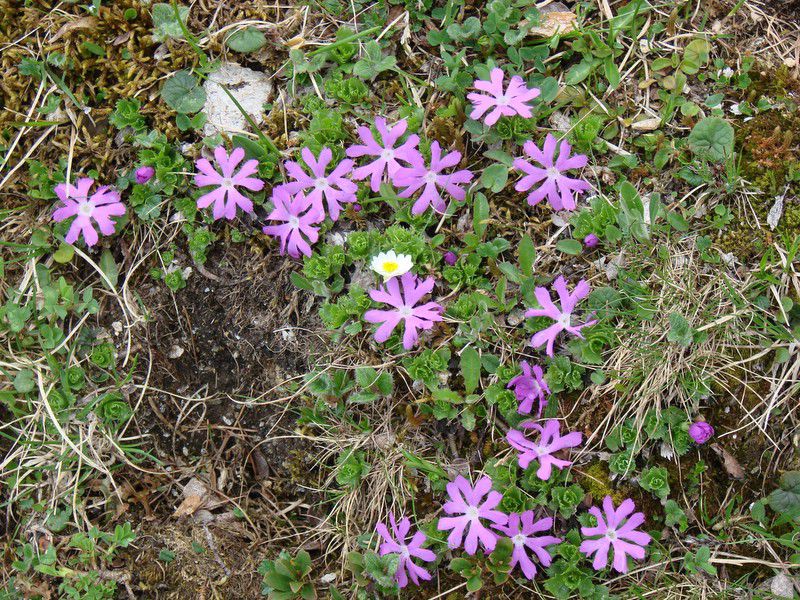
[(510, 101), (299, 215), (530, 386), (388, 156), (334, 187), (405, 308), (521, 530), (470, 505), (225, 197), (616, 530), (562, 316), (431, 178), (103, 204), (550, 441), (559, 189), (396, 542)]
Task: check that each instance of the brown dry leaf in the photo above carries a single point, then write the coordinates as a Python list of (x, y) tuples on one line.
[(82, 23), (731, 465), (189, 506), (555, 23)]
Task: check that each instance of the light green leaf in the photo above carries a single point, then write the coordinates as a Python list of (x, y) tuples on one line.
[(109, 266), (183, 93), (712, 139), (470, 369), (569, 246), (246, 40), (165, 25)]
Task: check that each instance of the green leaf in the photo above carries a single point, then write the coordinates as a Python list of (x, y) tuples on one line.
[(246, 40), (495, 177), (695, 56), (480, 214), (183, 93), (109, 267), (569, 246), (712, 139), (786, 499), (165, 25), (579, 72), (527, 254), (373, 63), (677, 221), (64, 253), (680, 331), (23, 382), (470, 369)]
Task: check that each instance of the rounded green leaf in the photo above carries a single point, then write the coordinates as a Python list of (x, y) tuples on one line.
[(246, 40), (712, 139), (183, 93)]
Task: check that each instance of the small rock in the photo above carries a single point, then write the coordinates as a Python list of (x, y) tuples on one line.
[(252, 89), (556, 18), (175, 352), (116, 326), (781, 586)]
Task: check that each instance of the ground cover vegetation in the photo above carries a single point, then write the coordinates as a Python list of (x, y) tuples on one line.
[(428, 299)]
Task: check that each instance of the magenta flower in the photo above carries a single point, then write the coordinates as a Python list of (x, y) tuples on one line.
[(299, 215), (521, 529), (450, 258), (334, 187), (528, 387), (562, 317), (226, 197), (559, 189), (405, 308), (509, 102), (701, 432), (550, 442), (471, 505), (617, 530), (99, 207), (591, 240), (418, 175), (144, 174), (388, 156), (396, 543)]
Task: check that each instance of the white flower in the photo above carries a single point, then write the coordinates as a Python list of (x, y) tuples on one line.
[(390, 264)]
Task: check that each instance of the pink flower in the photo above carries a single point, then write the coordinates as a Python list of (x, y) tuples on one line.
[(99, 207), (617, 530), (559, 189), (334, 188), (521, 529), (591, 240), (405, 308), (549, 443), (418, 175), (226, 197), (386, 153), (298, 214), (562, 317), (471, 505), (701, 432), (396, 544), (509, 102), (528, 387), (144, 174)]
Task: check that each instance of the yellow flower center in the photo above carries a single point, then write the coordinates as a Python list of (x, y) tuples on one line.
[(390, 266)]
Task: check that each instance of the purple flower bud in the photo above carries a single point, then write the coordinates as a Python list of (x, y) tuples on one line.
[(701, 432), (144, 174), (356, 207), (450, 257), (591, 240)]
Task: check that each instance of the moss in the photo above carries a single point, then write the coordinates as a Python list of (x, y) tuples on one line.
[(596, 480)]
